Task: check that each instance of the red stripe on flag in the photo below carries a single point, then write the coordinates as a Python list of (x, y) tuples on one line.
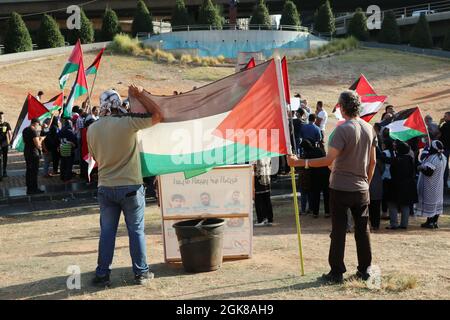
[(284, 68), (415, 121), (35, 108)]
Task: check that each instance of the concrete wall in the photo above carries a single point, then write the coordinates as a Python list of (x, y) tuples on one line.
[(39, 54), (406, 48), (230, 42)]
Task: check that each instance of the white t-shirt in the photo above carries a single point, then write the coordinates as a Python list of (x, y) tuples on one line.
[(324, 116)]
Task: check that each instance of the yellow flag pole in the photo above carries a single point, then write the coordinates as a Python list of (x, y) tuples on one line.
[(287, 137)]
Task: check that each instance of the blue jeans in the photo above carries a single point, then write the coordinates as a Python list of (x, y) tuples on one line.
[(114, 200), (393, 215), (47, 159)]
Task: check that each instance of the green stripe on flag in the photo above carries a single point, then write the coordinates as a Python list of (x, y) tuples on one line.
[(405, 135)]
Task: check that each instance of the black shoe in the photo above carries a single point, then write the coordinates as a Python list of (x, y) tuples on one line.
[(327, 215), (391, 228), (362, 276), (35, 192), (101, 282), (143, 278), (427, 225), (333, 278), (435, 225), (315, 216), (402, 227)]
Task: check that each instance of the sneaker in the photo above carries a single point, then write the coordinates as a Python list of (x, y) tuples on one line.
[(143, 278), (101, 282), (327, 215), (435, 225), (392, 227), (269, 223), (401, 227), (333, 278), (262, 223)]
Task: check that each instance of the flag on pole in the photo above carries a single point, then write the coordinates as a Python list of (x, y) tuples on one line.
[(71, 65), (93, 68), (55, 103), (370, 101), (287, 93), (31, 108), (251, 63), (407, 124), (79, 88), (233, 120)]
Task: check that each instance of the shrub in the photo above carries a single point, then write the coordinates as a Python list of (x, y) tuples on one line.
[(209, 15), (358, 26), (324, 19), (421, 34), (142, 21), (186, 59), (260, 16), (180, 15), (123, 44), (85, 33), (49, 35), (17, 38), (110, 25), (389, 33), (290, 15)]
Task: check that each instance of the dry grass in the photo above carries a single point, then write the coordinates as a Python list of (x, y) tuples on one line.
[(36, 251)]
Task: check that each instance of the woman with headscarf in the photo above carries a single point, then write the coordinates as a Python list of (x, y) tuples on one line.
[(430, 186), (403, 185), (67, 147)]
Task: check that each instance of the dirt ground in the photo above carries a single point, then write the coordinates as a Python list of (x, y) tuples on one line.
[(37, 250), (407, 79)]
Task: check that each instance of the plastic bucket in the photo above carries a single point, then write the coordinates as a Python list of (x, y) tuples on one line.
[(201, 243)]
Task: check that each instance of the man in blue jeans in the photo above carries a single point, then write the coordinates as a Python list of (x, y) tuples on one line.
[(112, 142)]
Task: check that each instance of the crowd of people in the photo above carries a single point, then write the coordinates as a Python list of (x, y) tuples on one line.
[(410, 177)]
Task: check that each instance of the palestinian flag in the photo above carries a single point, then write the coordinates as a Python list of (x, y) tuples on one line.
[(250, 64), (93, 68), (231, 121), (71, 65), (284, 69), (407, 124), (79, 88), (55, 103), (32, 108), (370, 101)]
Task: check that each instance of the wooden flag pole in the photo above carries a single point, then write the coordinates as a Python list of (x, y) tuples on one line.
[(288, 142)]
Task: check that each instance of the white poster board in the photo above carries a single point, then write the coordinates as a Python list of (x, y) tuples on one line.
[(224, 192)]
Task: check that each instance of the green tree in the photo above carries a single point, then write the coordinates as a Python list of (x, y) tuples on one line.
[(110, 25), (324, 19), (85, 33), (49, 35), (389, 33), (421, 34), (290, 15), (142, 21), (17, 38), (180, 15), (209, 15), (446, 44), (261, 16), (358, 26)]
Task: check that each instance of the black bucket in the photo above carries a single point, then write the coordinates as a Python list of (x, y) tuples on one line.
[(201, 243)]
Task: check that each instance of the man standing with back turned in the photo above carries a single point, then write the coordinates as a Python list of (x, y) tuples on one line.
[(352, 151), (112, 142)]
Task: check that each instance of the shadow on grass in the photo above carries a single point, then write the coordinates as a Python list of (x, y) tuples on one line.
[(262, 292), (56, 288)]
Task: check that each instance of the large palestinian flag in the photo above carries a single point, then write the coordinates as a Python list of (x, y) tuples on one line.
[(32, 108), (407, 124), (370, 101), (71, 65), (233, 120)]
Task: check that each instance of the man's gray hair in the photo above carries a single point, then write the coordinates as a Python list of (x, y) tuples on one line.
[(350, 103)]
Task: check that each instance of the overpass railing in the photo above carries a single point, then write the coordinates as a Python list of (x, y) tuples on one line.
[(403, 12)]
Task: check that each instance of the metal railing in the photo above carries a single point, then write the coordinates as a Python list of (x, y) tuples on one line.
[(166, 29), (403, 12)]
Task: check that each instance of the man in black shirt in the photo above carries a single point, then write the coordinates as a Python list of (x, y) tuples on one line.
[(33, 143), (445, 139), (5, 139)]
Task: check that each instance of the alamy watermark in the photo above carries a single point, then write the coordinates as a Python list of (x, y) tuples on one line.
[(74, 280), (74, 20), (373, 17)]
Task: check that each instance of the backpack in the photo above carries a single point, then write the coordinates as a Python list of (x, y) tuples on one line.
[(65, 149)]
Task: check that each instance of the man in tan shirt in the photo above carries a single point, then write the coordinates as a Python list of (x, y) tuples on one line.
[(112, 142), (352, 152)]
